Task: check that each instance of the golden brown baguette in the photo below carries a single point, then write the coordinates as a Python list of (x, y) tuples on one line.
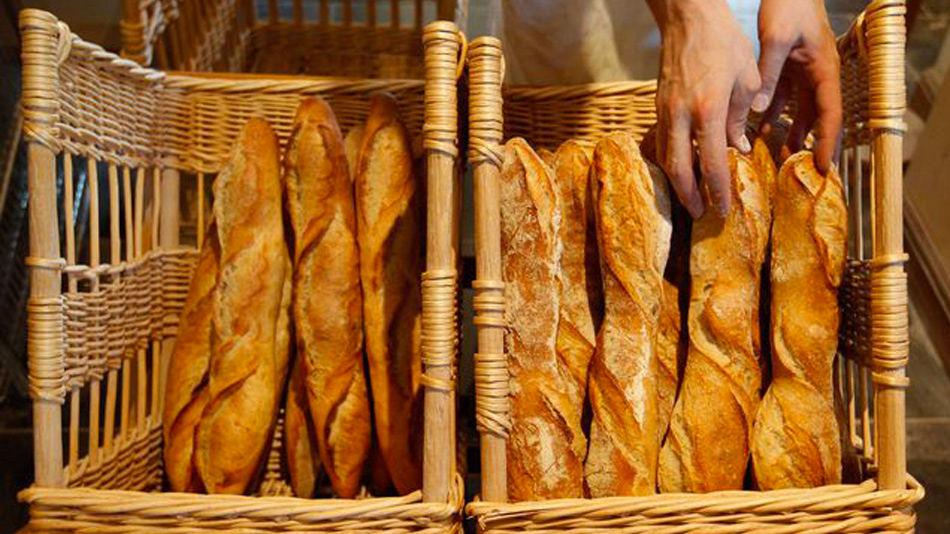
[(186, 390), (633, 227), (672, 343), (351, 145), (390, 226), (582, 294), (707, 445), (546, 446), (327, 294), (250, 337), (300, 448), (795, 441)]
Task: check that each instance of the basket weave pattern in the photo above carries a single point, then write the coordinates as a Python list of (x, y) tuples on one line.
[(873, 346), (381, 40), (101, 326)]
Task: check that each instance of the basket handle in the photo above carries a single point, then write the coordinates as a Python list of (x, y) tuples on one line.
[(486, 72)]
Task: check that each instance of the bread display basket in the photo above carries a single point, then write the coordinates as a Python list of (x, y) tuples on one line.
[(367, 39), (107, 290), (873, 345)]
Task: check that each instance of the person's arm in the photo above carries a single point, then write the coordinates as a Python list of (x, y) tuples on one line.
[(799, 52), (708, 78)]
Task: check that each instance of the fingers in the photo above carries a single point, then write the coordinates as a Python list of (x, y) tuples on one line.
[(827, 108), (678, 162), (804, 119), (742, 95), (711, 136), (779, 101), (771, 62)]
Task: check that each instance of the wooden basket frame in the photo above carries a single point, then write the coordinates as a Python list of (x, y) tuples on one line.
[(98, 325), (229, 35), (874, 340)]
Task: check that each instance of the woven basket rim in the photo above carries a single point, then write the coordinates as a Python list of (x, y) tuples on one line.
[(207, 506), (823, 498)]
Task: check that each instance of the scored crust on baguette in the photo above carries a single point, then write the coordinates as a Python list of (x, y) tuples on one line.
[(707, 445), (249, 351), (351, 146), (634, 230), (582, 294), (327, 294), (545, 450), (795, 441), (390, 223), (186, 389), (300, 448)]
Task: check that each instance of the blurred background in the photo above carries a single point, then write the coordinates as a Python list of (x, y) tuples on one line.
[(622, 29)]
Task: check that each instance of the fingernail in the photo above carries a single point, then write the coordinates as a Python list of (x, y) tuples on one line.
[(760, 103), (696, 208), (744, 146)]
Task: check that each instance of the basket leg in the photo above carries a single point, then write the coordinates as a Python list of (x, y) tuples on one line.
[(439, 328), (45, 286)]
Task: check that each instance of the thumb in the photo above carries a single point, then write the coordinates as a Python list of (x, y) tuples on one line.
[(771, 62)]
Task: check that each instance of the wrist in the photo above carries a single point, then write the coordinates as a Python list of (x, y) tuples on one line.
[(668, 13)]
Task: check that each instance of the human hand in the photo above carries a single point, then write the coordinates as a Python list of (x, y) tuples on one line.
[(708, 78), (799, 53)]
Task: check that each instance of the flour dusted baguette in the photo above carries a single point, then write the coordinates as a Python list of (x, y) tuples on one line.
[(327, 295), (250, 337), (390, 224), (633, 227), (795, 441), (186, 390), (546, 445), (300, 447), (582, 295), (707, 445)]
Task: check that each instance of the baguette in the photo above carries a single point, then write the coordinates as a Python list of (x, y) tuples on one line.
[(545, 450), (186, 389), (634, 230), (390, 223), (300, 450), (795, 440), (582, 294), (707, 446), (249, 351), (672, 343), (328, 302)]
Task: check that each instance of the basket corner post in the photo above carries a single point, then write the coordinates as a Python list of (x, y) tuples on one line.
[(486, 73), (885, 39), (442, 42), (45, 41)]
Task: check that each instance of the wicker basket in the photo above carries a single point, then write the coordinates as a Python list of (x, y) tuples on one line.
[(103, 319), (367, 39), (874, 342)]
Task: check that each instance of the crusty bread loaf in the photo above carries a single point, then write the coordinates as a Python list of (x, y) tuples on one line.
[(546, 445), (547, 156), (250, 336), (795, 440), (633, 228), (327, 294), (351, 146), (390, 223), (707, 446), (672, 343), (186, 389), (300, 447), (582, 294), (764, 165)]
